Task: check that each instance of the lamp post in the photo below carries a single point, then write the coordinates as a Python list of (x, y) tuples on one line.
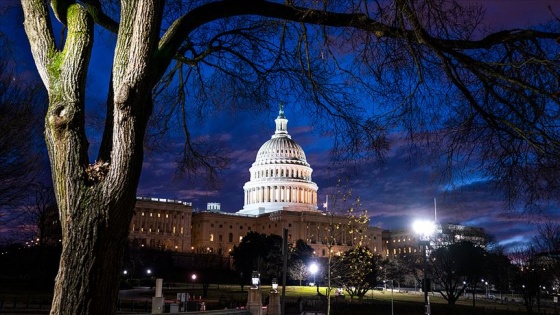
[(193, 278), (274, 285), (424, 229), (255, 281), (313, 268), (392, 291), (254, 301), (274, 300)]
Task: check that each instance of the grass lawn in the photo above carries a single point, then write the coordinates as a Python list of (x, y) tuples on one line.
[(220, 296), (375, 302)]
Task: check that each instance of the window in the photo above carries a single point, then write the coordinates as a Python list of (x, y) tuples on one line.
[(211, 237), (230, 237), (219, 238), (212, 225), (240, 239)]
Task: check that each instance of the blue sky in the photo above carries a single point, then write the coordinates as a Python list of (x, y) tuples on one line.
[(394, 193)]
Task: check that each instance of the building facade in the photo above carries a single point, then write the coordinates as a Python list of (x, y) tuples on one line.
[(162, 224), (280, 194), (405, 241)]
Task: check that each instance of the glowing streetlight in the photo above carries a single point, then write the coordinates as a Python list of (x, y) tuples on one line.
[(274, 285), (313, 268), (255, 279), (424, 229)]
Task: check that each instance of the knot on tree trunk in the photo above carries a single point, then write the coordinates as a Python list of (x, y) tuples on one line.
[(97, 171)]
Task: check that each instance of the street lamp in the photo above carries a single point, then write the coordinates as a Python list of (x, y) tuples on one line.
[(193, 278), (313, 268), (424, 229), (255, 279), (274, 285)]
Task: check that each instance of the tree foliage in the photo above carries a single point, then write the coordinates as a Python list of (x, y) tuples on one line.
[(357, 273), (533, 272), (258, 252), (298, 270), (456, 264)]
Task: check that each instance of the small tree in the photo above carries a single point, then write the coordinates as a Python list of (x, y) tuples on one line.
[(358, 272), (42, 212), (345, 219), (500, 270), (453, 264), (531, 274), (298, 270), (257, 252)]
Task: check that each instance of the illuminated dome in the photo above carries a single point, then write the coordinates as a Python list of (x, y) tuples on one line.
[(280, 176)]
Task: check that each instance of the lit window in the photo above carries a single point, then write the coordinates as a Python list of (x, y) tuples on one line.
[(167, 216), (173, 230), (240, 239), (142, 213), (159, 215), (211, 237)]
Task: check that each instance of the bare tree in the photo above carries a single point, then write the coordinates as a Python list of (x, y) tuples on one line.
[(429, 63), (345, 224), (298, 270), (42, 215), (19, 140), (532, 273)]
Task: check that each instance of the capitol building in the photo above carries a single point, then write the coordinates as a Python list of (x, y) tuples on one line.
[(280, 194)]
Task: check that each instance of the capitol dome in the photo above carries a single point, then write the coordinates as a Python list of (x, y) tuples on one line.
[(280, 176)]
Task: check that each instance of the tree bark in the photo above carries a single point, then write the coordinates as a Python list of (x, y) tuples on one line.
[(95, 201)]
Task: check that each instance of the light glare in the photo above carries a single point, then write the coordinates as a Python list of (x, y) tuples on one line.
[(423, 227)]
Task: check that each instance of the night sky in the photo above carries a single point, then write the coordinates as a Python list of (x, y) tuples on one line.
[(394, 193)]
